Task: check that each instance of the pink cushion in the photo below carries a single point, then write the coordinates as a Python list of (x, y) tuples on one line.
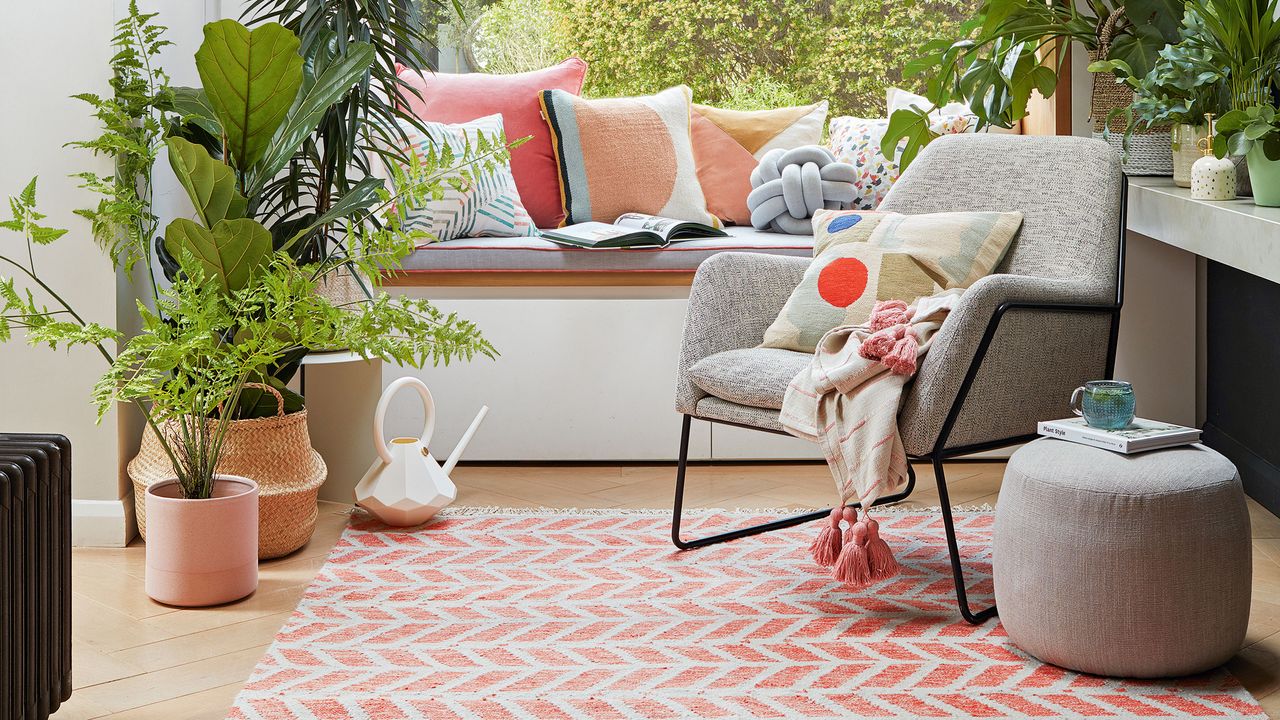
[(457, 98)]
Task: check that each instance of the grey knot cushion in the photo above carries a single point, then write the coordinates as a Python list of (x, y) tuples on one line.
[(789, 186), (1123, 565)]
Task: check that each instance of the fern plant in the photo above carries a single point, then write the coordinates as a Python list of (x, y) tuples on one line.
[(133, 125)]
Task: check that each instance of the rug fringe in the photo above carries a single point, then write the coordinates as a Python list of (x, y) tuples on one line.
[(470, 510)]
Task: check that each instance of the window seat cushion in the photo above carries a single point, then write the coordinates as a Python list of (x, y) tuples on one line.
[(538, 255)]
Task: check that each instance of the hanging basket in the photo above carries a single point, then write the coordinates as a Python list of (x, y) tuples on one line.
[(1150, 151), (275, 452)]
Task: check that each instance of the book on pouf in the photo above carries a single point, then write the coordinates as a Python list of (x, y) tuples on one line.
[(1140, 436), (631, 230)]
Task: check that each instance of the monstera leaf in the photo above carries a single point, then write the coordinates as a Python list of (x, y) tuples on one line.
[(210, 184), (251, 79), (330, 77), (230, 253)]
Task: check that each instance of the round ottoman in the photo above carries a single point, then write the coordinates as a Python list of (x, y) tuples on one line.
[(1124, 565)]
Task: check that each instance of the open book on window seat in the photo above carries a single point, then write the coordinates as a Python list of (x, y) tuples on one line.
[(630, 230)]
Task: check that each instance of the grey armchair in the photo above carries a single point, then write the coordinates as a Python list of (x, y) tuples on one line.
[(1008, 356)]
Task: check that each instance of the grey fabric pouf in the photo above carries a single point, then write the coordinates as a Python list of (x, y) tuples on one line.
[(1128, 566)]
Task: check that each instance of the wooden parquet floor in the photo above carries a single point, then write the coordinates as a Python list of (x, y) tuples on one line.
[(134, 658)]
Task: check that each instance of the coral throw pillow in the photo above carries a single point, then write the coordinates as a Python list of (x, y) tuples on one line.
[(728, 144), (724, 171), (461, 97), (857, 141), (484, 202), (862, 257), (620, 155)]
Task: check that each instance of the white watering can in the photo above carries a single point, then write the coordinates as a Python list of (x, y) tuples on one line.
[(406, 486)]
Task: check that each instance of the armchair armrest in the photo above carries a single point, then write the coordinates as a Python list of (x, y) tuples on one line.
[(1007, 357), (733, 300)]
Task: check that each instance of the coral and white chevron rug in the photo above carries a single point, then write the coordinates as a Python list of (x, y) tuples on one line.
[(559, 616)]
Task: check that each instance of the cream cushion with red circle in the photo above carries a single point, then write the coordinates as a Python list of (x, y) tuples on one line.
[(861, 257)]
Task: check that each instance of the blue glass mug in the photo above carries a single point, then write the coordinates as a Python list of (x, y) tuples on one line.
[(1105, 404)]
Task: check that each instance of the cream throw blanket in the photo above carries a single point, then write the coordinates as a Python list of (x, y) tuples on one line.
[(847, 402)]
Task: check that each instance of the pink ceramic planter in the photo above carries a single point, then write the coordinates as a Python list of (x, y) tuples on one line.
[(202, 552)]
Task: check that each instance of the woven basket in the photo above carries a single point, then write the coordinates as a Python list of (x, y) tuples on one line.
[(1150, 151), (275, 452)]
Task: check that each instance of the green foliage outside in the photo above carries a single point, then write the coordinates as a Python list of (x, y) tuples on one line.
[(738, 53)]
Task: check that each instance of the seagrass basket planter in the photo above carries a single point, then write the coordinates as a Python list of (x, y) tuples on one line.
[(1149, 151), (276, 453)]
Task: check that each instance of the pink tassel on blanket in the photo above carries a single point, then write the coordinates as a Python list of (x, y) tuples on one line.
[(879, 557), (852, 567), (826, 547), (888, 313), (882, 342), (902, 359)]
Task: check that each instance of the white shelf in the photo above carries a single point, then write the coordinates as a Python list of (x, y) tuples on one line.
[(1235, 232)]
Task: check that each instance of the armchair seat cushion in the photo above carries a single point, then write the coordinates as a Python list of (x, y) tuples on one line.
[(756, 377)]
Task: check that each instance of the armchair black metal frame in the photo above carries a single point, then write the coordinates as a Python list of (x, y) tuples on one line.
[(940, 452)]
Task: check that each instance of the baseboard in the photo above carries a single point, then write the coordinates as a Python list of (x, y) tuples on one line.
[(103, 523), (1260, 478)]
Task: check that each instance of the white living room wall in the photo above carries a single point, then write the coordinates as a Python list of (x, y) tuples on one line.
[(51, 50)]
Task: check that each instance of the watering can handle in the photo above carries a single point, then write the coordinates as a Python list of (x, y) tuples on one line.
[(379, 417)]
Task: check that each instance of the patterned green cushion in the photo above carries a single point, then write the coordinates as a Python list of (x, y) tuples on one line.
[(865, 256), (487, 205)]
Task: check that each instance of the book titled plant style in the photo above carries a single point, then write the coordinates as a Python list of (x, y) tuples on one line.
[(1139, 436)]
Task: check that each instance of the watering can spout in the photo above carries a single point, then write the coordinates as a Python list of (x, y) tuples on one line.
[(466, 438)]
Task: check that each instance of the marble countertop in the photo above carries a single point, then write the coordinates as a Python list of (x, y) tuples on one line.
[(1235, 233)]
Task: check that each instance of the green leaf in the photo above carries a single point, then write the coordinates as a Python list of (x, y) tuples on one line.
[(211, 185), (911, 125), (1239, 145), (251, 79), (231, 254), (1138, 49), (338, 75), (192, 105), (364, 195)]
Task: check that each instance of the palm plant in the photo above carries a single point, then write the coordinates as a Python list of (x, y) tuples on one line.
[(1245, 35), (334, 157)]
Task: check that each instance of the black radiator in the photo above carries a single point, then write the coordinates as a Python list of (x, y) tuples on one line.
[(35, 574)]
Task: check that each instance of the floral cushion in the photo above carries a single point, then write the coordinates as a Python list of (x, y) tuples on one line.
[(857, 141)]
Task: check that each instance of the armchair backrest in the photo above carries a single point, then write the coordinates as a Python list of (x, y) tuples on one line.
[(1068, 189)]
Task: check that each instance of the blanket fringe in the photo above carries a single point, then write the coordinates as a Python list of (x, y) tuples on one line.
[(853, 567), (826, 547), (879, 556)]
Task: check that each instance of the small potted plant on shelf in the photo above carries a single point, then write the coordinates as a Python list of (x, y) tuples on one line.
[(1253, 133), (1188, 80), (240, 302)]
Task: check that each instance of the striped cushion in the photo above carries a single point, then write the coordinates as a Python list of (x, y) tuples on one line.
[(620, 155), (488, 205)]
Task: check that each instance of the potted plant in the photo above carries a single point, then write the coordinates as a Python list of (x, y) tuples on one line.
[(240, 302), (1000, 59), (1253, 133), (1188, 81)]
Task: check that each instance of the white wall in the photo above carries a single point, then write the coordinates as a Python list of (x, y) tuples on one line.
[(50, 50)]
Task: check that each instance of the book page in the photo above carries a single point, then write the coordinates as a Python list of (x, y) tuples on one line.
[(654, 224), (593, 232)]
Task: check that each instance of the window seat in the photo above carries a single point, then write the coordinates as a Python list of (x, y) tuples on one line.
[(535, 261)]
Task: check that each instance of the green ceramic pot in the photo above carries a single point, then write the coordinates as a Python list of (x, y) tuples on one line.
[(1264, 175)]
